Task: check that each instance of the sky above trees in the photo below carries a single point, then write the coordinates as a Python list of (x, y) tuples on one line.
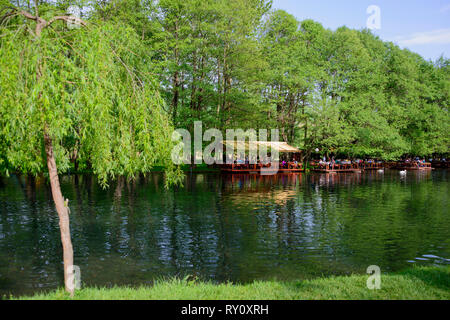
[(421, 26)]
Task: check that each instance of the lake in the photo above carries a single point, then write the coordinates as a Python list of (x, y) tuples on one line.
[(217, 227)]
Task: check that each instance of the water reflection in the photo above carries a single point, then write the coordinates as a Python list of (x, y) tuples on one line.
[(223, 227)]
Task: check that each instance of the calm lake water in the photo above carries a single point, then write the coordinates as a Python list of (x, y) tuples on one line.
[(223, 227)]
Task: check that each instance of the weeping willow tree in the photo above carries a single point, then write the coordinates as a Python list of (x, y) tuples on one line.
[(84, 91)]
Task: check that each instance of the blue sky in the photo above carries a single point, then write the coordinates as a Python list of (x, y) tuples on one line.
[(419, 25)]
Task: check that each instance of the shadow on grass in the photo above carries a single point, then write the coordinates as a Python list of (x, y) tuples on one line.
[(437, 277), (416, 283)]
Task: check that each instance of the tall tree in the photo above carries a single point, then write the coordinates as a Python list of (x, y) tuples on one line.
[(92, 83)]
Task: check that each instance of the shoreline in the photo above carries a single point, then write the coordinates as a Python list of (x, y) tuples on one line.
[(417, 283)]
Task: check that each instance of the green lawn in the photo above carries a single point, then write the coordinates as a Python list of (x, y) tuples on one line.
[(416, 283)]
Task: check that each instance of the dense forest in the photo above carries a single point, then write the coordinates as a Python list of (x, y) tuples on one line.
[(229, 64)]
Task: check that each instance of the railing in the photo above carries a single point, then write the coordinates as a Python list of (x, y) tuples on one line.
[(372, 165), (346, 165), (413, 164), (337, 166), (258, 166), (440, 164)]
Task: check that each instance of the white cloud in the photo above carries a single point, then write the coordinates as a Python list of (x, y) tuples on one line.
[(440, 36), (445, 8)]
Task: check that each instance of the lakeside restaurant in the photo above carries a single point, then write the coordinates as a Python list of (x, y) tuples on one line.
[(289, 157), (336, 166), (346, 165), (290, 160)]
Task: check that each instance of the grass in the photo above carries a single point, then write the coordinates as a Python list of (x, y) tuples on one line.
[(418, 283)]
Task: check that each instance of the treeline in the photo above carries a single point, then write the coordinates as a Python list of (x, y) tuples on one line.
[(240, 64)]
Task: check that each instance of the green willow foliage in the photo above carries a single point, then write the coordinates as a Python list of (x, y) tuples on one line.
[(96, 94)]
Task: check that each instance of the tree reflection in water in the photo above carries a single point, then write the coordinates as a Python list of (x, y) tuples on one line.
[(223, 227)]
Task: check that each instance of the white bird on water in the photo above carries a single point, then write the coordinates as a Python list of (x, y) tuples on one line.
[(381, 170), (403, 173)]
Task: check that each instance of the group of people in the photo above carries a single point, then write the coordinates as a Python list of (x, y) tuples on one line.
[(331, 162), (284, 162), (293, 164), (416, 161), (247, 161)]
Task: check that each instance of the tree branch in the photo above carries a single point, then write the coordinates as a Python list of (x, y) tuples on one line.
[(67, 19), (41, 23), (15, 11)]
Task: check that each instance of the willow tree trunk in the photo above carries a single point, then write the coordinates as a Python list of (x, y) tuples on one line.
[(61, 207), (63, 213)]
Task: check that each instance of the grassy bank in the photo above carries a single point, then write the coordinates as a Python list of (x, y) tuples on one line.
[(416, 283)]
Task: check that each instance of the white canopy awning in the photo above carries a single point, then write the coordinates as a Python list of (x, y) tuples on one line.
[(279, 146)]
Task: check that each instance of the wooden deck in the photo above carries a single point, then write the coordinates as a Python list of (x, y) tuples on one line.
[(338, 170), (412, 166), (259, 168), (348, 167), (440, 164), (372, 166), (292, 167)]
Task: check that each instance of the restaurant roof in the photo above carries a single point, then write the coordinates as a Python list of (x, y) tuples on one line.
[(280, 146)]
